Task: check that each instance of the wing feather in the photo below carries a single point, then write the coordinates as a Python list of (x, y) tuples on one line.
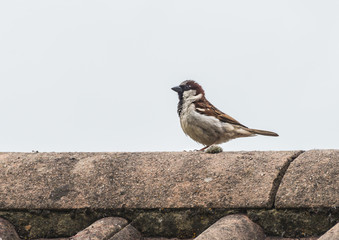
[(205, 107)]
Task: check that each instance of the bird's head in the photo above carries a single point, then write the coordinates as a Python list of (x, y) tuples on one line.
[(188, 88)]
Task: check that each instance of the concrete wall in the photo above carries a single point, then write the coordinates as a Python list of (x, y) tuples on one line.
[(180, 194)]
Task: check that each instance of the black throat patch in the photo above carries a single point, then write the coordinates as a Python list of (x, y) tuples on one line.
[(180, 103)]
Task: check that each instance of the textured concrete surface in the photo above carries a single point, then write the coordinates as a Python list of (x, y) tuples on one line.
[(53, 239), (294, 222), (331, 234), (236, 226), (101, 229), (127, 233), (139, 180), (7, 231), (232, 227), (164, 239), (280, 238), (312, 180), (290, 194)]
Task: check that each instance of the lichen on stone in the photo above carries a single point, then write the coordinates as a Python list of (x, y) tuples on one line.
[(214, 149)]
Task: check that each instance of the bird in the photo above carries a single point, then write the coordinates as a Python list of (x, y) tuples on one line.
[(206, 124)]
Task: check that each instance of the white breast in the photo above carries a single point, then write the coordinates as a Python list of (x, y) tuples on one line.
[(204, 129)]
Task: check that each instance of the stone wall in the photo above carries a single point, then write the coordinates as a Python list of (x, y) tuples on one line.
[(163, 194)]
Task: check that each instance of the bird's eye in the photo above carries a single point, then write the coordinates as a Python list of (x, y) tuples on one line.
[(187, 87)]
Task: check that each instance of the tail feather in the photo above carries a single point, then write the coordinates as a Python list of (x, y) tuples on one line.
[(262, 132)]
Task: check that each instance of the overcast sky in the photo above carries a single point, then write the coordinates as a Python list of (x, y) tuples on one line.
[(97, 75)]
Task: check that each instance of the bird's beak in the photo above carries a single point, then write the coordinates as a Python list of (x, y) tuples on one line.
[(177, 89)]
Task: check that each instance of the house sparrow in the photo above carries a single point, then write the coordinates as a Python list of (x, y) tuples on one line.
[(205, 123)]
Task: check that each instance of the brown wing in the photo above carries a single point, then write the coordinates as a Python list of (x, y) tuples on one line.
[(206, 108)]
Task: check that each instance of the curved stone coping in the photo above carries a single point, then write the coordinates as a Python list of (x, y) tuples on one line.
[(311, 181), (143, 180), (236, 226), (188, 223)]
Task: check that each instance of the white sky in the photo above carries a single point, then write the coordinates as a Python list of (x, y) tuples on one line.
[(96, 75)]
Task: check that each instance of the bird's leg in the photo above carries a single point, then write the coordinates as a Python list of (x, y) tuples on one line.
[(201, 150)]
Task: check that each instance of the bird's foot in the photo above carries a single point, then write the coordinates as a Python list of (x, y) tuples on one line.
[(202, 150)]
